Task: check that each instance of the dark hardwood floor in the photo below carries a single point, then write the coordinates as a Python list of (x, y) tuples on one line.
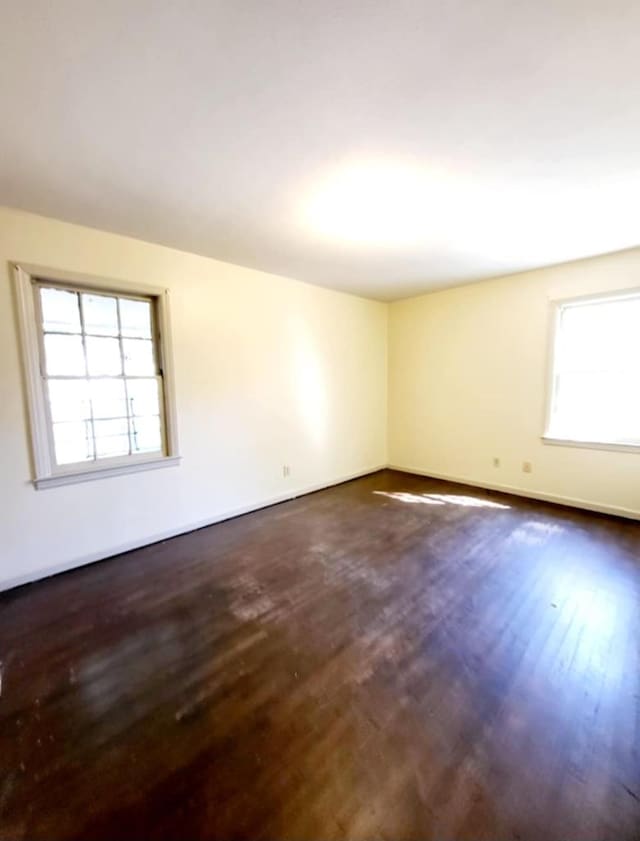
[(394, 658)]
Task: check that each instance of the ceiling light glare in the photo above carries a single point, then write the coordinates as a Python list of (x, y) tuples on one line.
[(377, 204)]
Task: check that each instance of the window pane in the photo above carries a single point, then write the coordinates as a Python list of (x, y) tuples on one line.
[(145, 435), (60, 312), (64, 355), (100, 315), (112, 438), (72, 442), (69, 400), (597, 360), (135, 318), (597, 406), (143, 397), (108, 399), (138, 357), (103, 356)]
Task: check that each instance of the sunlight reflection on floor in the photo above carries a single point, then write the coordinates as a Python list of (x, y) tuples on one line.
[(534, 533), (441, 499), (467, 501)]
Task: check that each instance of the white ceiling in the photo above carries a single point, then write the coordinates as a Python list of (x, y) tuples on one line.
[(379, 147)]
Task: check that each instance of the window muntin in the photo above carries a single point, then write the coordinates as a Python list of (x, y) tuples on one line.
[(595, 388), (101, 374)]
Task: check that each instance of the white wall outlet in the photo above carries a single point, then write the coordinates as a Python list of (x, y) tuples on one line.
[(527, 467), (286, 470), (496, 461)]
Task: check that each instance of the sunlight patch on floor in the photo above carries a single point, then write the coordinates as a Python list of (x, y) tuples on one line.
[(467, 501), (413, 499), (441, 499), (534, 533)]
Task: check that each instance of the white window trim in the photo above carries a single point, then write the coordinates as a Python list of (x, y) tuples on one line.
[(45, 472), (556, 307)]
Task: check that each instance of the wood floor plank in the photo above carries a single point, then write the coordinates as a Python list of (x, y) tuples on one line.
[(392, 658)]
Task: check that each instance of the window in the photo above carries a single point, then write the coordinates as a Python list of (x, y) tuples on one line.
[(595, 386), (98, 376)]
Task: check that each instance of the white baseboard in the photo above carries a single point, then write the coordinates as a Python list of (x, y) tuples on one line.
[(36, 575), (572, 502), (65, 566)]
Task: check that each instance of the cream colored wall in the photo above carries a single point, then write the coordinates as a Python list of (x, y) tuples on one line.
[(467, 382), (269, 371)]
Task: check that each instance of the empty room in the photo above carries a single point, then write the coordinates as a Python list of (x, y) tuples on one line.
[(319, 420)]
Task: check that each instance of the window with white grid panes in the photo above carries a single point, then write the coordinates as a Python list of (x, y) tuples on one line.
[(103, 380)]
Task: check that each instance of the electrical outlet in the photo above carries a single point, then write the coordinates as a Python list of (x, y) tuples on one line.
[(496, 461), (286, 470), (527, 467)]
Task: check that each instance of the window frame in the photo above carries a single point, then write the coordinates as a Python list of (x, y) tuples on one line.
[(556, 308), (45, 472)]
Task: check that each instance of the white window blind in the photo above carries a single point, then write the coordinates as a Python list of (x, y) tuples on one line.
[(595, 389)]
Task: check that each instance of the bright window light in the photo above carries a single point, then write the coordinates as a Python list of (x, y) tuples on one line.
[(98, 376), (595, 388)]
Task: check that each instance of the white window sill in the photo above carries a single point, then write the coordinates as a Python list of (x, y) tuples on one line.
[(591, 445), (73, 477)]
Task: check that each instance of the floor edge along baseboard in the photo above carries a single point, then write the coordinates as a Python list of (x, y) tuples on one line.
[(77, 563), (584, 504)]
